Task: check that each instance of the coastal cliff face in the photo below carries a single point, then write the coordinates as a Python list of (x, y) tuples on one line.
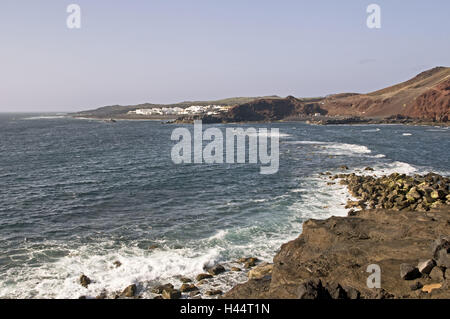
[(336, 252), (270, 109), (410, 242)]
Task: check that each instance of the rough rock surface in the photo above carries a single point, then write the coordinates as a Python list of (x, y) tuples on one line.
[(336, 252)]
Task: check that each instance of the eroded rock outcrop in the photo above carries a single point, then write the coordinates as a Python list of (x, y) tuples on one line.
[(330, 259), (338, 250)]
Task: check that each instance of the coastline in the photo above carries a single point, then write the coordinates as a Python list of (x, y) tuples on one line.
[(309, 121), (396, 222), (329, 259)]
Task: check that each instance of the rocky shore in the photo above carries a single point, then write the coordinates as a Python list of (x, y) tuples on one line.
[(395, 119), (399, 223)]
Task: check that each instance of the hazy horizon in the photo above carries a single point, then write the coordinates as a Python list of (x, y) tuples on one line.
[(173, 51)]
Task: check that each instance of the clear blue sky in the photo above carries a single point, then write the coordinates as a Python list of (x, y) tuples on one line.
[(163, 51)]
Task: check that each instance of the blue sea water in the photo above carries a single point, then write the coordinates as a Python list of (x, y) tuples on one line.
[(77, 195)]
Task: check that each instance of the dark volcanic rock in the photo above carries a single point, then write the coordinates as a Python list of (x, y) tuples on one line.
[(442, 243), (130, 291), (185, 280), (443, 259), (171, 294), (85, 281), (426, 266), (397, 191), (161, 288), (188, 288), (203, 276), (311, 289), (338, 250), (214, 292), (408, 272), (416, 286), (217, 269)]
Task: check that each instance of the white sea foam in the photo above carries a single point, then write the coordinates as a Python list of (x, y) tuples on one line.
[(389, 168), (335, 148), (61, 279), (45, 117), (371, 130), (406, 134), (219, 235), (272, 134)]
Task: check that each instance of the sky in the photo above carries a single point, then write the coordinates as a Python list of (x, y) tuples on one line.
[(166, 51)]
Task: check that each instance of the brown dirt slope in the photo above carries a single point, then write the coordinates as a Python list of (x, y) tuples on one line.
[(425, 96)]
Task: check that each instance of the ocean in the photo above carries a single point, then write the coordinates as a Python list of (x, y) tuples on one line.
[(77, 195)]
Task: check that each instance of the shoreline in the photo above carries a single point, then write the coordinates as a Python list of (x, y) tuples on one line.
[(407, 239), (394, 221), (172, 120)]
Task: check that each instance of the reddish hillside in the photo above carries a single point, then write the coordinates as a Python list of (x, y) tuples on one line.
[(425, 96), (433, 104)]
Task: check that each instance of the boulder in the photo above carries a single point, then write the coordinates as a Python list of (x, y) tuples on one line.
[(438, 194), (425, 266), (185, 280), (439, 244), (310, 289), (161, 288), (194, 293), (250, 262), (408, 272), (85, 281), (217, 269), (413, 195), (130, 291), (117, 264), (352, 293), (214, 292), (416, 286), (203, 276), (171, 294), (102, 295), (188, 288), (260, 271), (335, 291), (236, 269)]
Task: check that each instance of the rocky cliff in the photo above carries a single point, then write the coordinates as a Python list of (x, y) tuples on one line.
[(270, 109), (330, 259)]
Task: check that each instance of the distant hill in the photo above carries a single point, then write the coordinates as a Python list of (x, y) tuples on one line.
[(425, 97), (120, 111)]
